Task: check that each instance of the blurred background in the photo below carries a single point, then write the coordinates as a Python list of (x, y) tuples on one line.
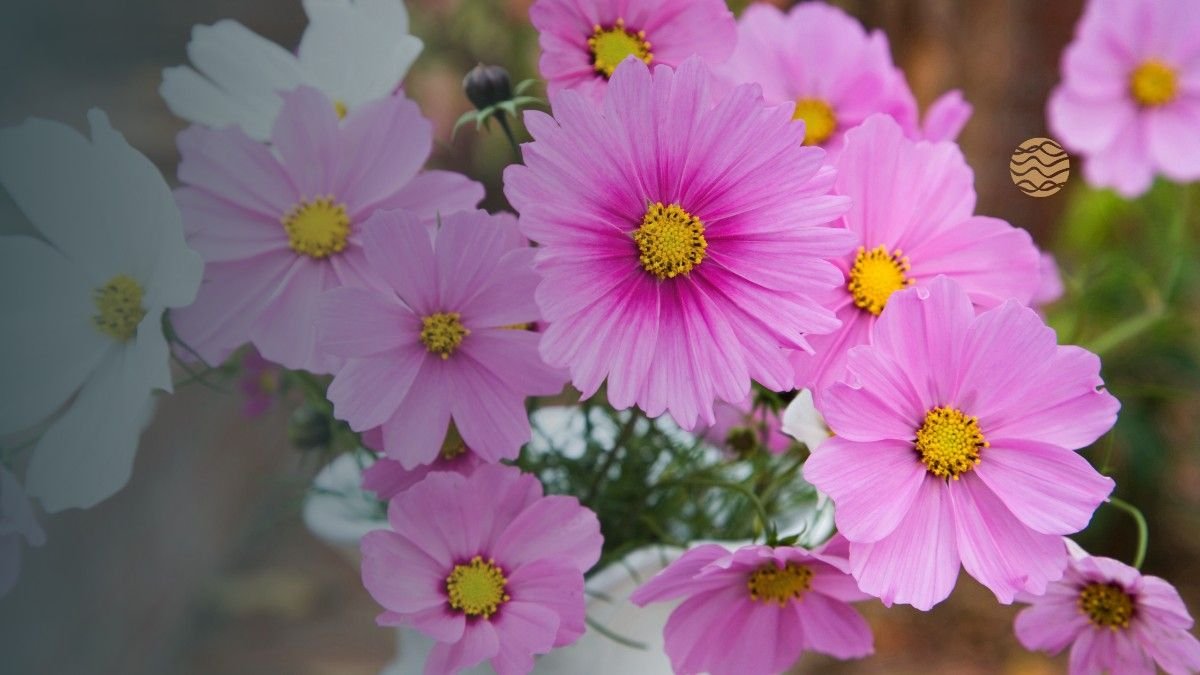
[(202, 565)]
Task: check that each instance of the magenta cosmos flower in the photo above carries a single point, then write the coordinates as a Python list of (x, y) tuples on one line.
[(954, 439), (1115, 619), (485, 565), (583, 41), (836, 72), (681, 237), (1129, 101), (912, 212), (442, 340), (756, 610), (278, 227)]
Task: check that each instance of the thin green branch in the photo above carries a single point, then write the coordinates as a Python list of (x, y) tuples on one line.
[(1143, 529)]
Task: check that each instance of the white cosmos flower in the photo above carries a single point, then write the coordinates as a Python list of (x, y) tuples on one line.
[(353, 51), (82, 346)]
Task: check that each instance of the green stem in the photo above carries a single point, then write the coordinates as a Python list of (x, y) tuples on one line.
[(759, 508), (1143, 529), (512, 140)]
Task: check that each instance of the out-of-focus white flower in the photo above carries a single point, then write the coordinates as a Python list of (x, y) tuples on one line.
[(353, 51), (802, 422), (17, 522), (83, 345)]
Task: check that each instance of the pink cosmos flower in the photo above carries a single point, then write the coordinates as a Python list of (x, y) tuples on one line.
[(754, 611), (276, 226), (1115, 619), (837, 74), (741, 427), (912, 211), (583, 41), (1129, 101), (387, 478), (439, 342), (954, 439), (681, 237), (485, 565)]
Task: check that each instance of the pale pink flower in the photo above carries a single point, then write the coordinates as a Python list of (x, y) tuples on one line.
[(755, 610), (1129, 102), (1115, 620), (387, 478), (485, 565), (954, 442), (278, 225), (836, 73), (681, 238), (440, 339), (583, 41), (913, 213)]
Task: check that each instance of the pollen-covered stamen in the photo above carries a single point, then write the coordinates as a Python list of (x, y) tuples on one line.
[(1106, 605), (443, 332), (819, 120), (1154, 83), (781, 585), (477, 588), (875, 275), (317, 228), (949, 442), (119, 308), (670, 241), (611, 46)]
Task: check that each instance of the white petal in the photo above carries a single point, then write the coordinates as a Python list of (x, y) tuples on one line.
[(48, 344), (87, 454), (102, 204), (196, 99), (244, 71), (357, 51), (802, 421)]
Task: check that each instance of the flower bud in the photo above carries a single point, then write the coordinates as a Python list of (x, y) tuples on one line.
[(487, 86)]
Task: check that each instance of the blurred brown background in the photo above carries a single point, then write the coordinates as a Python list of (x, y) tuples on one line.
[(201, 564)]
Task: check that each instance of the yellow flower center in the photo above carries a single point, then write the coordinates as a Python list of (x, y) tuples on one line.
[(773, 584), (317, 228), (477, 588), (611, 46), (1106, 605), (670, 241), (875, 275), (119, 308), (1154, 83), (340, 107), (819, 120), (949, 442), (443, 332)]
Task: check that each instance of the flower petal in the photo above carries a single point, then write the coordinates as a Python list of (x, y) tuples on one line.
[(873, 485), (1051, 490), (1000, 551)]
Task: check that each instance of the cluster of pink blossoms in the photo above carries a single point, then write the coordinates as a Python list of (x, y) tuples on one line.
[(714, 203)]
